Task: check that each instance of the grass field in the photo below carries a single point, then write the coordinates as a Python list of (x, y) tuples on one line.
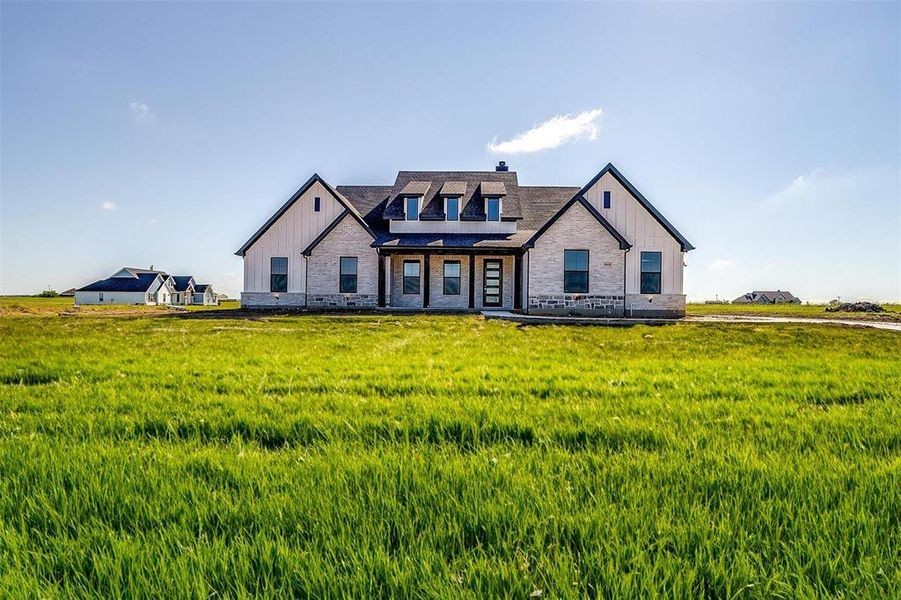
[(893, 311), (442, 456)]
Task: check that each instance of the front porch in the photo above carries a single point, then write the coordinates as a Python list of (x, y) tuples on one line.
[(450, 278)]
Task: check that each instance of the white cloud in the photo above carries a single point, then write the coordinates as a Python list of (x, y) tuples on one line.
[(721, 264), (108, 205), (553, 133), (766, 268), (141, 111), (152, 222)]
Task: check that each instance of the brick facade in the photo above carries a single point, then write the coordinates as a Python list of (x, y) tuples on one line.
[(576, 229), (323, 268)]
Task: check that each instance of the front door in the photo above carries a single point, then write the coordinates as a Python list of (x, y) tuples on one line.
[(493, 287)]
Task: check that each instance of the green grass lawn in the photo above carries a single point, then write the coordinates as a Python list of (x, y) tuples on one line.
[(791, 310), (442, 456)]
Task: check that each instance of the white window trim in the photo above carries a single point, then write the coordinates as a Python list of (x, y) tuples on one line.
[(418, 208), (500, 208), (459, 208)]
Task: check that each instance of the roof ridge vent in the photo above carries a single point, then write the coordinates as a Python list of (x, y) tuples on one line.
[(502, 166)]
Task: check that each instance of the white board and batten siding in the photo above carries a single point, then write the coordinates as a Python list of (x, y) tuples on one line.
[(643, 231), (288, 237)]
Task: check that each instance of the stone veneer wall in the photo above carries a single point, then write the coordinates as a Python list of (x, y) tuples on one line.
[(577, 304), (342, 300), (655, 305), (272, 300)]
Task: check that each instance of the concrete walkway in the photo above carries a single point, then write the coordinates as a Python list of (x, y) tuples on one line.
[(625, 322)]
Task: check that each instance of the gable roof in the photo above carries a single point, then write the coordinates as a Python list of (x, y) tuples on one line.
[(296, 196), (686, 245), (139, 283), (182, 282), (623, 243), (201, 288), (324, 234)]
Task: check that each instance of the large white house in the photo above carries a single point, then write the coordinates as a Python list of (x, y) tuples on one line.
[(131, 285), (469, 240)]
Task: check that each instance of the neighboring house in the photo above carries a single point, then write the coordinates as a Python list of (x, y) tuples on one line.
[(759, 297), (129, 285), (68, 293), (184, 289), (203, 294), (467, 240)]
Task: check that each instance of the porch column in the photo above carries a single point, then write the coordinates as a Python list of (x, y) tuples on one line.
[(425, 282), (472, 281), (381, 301), (517, 282)]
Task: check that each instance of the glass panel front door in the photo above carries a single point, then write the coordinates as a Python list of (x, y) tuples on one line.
[(493, 283)]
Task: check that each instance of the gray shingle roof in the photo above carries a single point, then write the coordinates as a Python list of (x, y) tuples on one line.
[(416, 188), (473, 204), (454, 240), (141, 283), (453, 188), (493, 188), (182, 282)]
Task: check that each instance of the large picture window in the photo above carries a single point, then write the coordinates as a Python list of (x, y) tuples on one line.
[(493, 209), (452, 278), (411, 276), (575, 271), (650, 272), (348, 279), (278, 274)]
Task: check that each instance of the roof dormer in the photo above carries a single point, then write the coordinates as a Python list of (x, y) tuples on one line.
[(412, 195), (492, 195), (452, 193)]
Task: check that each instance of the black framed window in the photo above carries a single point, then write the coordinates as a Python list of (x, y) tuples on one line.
[(317, 204), (278, 274), (412, 208), (348, 279), (606, 199), (650, 272), (493, 209), (452, 210), (411, 276), (452, 278), (575, 271)]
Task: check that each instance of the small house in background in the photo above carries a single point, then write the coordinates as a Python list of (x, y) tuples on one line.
[(69, 293), (203, 294), (129, 285), (184, 289), (762, 297)]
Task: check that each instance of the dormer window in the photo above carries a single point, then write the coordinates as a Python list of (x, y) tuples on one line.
[(452, 209), (493, 209), (411, 208)]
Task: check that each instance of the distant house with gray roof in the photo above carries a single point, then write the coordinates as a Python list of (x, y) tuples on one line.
[(767, 297), (134, 285)]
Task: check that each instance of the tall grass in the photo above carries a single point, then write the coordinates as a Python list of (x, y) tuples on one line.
[(446, 456)]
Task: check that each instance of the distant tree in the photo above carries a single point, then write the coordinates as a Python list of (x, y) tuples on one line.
[(49, 294)]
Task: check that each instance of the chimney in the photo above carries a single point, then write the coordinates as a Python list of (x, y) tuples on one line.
[(501, 166)]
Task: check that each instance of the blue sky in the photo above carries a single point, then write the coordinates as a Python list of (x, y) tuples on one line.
[(165, 134)]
